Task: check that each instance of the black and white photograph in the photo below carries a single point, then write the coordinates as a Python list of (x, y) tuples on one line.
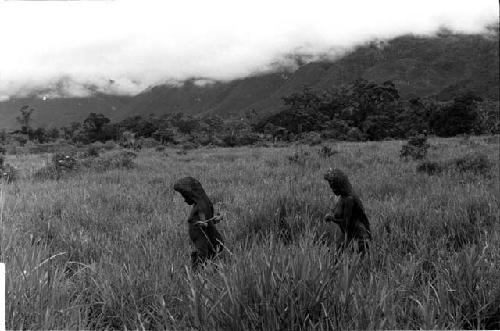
[(249, 165)]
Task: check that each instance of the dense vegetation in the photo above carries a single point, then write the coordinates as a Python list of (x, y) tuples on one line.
[(369, 111), (357, 112), (104, 245)]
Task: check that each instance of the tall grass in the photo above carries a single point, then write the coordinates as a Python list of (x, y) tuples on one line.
[(109, 249)]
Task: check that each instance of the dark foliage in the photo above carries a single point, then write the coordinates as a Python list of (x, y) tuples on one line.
[(475, 163), (326, 152), (92, 151), (61, 164), (122, 160), (461, 116), (360, 111), (299, 158), (96, 127), (430, 167), (363, 104), (375, 112), (416, 147), (64, 162), (7, 172)]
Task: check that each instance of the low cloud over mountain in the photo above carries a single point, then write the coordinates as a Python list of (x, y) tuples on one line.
[(78, 48)]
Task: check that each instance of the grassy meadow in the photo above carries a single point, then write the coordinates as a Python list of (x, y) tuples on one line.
[(110, 249)]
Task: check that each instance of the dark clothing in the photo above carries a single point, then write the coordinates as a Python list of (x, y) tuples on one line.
[(357, 225), (349, 214), (206, 239)]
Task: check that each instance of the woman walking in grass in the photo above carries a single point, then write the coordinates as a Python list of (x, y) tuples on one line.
[(348, 213), (201, 221)]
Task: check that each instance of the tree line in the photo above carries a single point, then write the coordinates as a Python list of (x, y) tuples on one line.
[(366, 110), (360, 111)]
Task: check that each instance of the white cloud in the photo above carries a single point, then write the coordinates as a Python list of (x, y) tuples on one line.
[(124, 46)]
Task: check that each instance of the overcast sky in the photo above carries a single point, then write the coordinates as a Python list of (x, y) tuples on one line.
[(124, 46)]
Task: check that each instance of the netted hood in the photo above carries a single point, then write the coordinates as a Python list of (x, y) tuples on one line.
[(192, 189), (339, 180)]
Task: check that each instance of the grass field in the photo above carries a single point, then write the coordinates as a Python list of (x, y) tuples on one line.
[(110, 249)]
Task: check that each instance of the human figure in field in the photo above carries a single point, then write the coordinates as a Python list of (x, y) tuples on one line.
[(348, 213), (201, 221)]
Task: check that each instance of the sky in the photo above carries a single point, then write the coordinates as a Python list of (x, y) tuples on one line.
[(74, 48)]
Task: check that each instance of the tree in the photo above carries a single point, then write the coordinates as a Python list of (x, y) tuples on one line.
[(186, 123), (414, 117), (304, 112), (461, 116), (164, 135), (93, 126), (307, 99), (3, 136), (94, 122), (69, 131), (489, 117), (53, 133), (39, 134), (25, 118), (369, 99), (142, 127), (212, 125)]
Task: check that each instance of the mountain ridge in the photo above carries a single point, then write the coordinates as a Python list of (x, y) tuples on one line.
[(441, 67)]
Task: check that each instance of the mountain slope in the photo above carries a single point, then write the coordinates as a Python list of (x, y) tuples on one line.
[(60, 111), (442, 66)]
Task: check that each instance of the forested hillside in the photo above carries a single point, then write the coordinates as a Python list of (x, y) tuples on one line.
[(443, 67)]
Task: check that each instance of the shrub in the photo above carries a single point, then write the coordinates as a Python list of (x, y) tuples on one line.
[(355, 134), (64, 162), (477, 163), (203, 140), (43, 148), (122, 160), (492, 140), (47, 172), (92, 151), (298, 158), (229, 140), (262, 143), (189, 145), (247, 138), (416, 147), (60, 164), (460, 116), (326, 152), (136, 145), (109, 145), (149, 142), (7, 172), (312, 138), (430, 168)]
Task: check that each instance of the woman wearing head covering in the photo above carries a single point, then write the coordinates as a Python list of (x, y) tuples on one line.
[(348, 213), (201, 221)]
